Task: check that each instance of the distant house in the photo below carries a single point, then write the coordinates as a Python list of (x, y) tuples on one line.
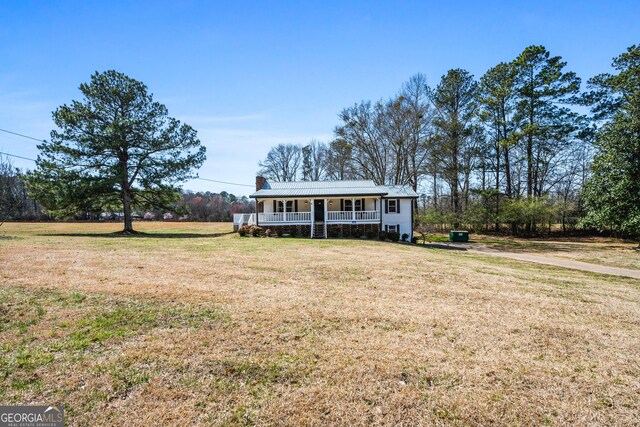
[(321, 209)]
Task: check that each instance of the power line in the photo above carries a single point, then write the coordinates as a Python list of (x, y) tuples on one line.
[(225, 182), (19, 157), (42, 140), (24, 136), (201, 179)]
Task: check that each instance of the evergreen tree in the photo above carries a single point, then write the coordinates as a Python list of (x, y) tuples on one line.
[(314, 161), (612, 194), (456, 133), (497, 97), (545, 125), (115, 149)]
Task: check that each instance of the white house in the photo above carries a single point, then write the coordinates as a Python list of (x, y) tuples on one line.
[(324, 209)]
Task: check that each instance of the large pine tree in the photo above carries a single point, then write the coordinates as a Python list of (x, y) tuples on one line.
[(116, 149), (456, 132)]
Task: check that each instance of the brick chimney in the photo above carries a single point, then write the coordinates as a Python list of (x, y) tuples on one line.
[(260, 181)]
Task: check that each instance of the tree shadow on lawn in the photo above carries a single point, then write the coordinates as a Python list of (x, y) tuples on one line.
[(120, 235), (441, 246)]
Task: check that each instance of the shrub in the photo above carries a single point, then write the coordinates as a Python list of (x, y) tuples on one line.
[(394, 236), (382, 236), (243, 231), (424, 230), (256, 231), (414, 240), (372, 234), (405, 236)]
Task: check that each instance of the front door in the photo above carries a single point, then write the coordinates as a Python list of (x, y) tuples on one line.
[(318, 207)]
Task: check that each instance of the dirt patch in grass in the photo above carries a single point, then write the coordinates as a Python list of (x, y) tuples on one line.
[(243, 331)]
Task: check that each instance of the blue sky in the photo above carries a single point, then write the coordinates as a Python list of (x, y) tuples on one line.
[(248, 75)]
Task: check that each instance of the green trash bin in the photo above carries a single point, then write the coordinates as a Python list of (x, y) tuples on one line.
[(458, 236)]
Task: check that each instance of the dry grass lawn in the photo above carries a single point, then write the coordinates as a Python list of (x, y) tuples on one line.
[(197, 326)]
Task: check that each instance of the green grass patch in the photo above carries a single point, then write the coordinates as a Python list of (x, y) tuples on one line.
[(123, 376), (19, 310), (127, 319), (64, 337), (282, 368)]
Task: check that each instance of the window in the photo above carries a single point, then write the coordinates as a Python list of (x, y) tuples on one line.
[(348, 206), (392, 206), (280, 206), (390, 228)]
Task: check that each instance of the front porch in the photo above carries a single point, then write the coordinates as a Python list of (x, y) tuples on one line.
[(314, 210), (320, 216)]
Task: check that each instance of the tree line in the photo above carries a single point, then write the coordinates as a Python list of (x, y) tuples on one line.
[(217, 207), (511, 150), (15, 201), (16, 204)]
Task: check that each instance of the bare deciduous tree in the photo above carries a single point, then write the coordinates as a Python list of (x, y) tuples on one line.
[(362, 128), (282, 163), (415, 93)]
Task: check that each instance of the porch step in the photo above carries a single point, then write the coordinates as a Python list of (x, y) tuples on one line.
[(319, 231)]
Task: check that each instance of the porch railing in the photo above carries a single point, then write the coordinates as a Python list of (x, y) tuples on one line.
[(244, 219), (305, 217), (284, 217), (349, 216)]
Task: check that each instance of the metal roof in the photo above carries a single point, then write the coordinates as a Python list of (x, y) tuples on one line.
[(399, 191), (321, 184), (330, 188)]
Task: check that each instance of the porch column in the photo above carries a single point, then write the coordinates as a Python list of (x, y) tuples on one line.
[(326, 207), (284, 210), (353, 209), (313, 210)]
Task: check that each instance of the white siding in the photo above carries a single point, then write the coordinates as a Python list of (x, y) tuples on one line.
[(403, 218)]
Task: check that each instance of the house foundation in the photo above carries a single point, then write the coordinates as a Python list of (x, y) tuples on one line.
[(353, 230), (370, 231)]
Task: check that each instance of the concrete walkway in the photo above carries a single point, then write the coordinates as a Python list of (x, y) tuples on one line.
[(540, 259), (563, 262)]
